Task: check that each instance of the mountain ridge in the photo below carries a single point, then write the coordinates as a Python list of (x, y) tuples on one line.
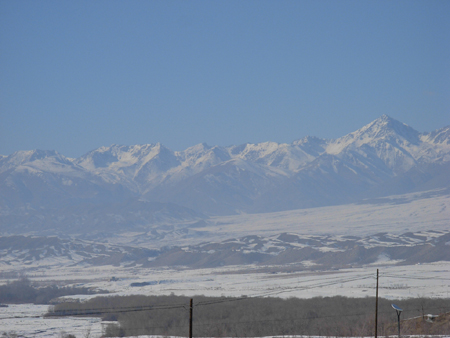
[(216, 180)]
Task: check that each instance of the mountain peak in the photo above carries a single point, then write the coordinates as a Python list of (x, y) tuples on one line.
[(198, 147), (309, 139), (23, 156), (385, 117), (259, 177), (385, 127), (384, 130), (384, 121)]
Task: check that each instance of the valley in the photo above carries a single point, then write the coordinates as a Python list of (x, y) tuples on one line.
[(315, 218)]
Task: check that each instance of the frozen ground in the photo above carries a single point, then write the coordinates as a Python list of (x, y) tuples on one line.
[(426, 280), (26, 320), (395, 215), (444, 336)]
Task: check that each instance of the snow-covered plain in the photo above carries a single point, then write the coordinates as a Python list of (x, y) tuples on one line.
[(425, 280), (26, 320), (424, 212), (395, 215)]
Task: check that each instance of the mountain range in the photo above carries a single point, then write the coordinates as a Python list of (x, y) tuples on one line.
[(119, 187)]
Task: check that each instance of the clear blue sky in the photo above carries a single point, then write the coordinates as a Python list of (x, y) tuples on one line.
[(77, 75)]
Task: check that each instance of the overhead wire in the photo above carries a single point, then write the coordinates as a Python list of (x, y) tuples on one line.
[(99, 311), (392, 275), (290, 289), (330, 281)]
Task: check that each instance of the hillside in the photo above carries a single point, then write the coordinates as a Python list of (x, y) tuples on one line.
[(134, 187)]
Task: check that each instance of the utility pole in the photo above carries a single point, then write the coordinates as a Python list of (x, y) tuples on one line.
[(190, 318), (376, 310)]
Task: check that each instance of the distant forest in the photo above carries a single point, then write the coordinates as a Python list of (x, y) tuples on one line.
[(255, 317), (23, 291)]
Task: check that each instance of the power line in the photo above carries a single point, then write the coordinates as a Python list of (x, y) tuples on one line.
[(100, 311), (390, 275), (290, 289)]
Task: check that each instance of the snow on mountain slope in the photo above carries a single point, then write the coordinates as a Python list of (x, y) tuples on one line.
[(435, 146), (398, 214), (38, 161), (52, 251), (134, 166), (399, 146), (225, 188), (202, 156), (288, 157), (328, 180), (247, 178), (194, 160), (391, 141), (35, 179), (312, 145), (406, 229), (320, 251), (384, 148)]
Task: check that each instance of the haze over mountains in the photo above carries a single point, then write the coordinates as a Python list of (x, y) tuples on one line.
[(154, 198), (382, 158)]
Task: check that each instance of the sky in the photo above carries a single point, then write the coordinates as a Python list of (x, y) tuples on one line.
[(78, 75)]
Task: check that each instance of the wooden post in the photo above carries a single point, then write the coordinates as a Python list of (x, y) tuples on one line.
[(376, 310), (190, 318)]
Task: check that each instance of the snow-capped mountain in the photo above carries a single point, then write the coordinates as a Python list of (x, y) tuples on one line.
[(46, 179), (384, 157)]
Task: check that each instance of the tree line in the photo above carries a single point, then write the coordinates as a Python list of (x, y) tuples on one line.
[(255, 317), (23, 291)]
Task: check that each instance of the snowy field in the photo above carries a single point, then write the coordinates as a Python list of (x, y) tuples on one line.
[(395, 216), (426, 280), (413, 336), (26, 320)]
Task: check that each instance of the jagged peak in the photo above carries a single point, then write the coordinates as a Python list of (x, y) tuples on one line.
[(384, 127), (203, 152), (36, 154), (388, 122), (309, 139), (235, 150), (117, 149), (257, 150), (37, 158), (386, 118), (268, 145), (198, 147), (439, 136), (121, 155)]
